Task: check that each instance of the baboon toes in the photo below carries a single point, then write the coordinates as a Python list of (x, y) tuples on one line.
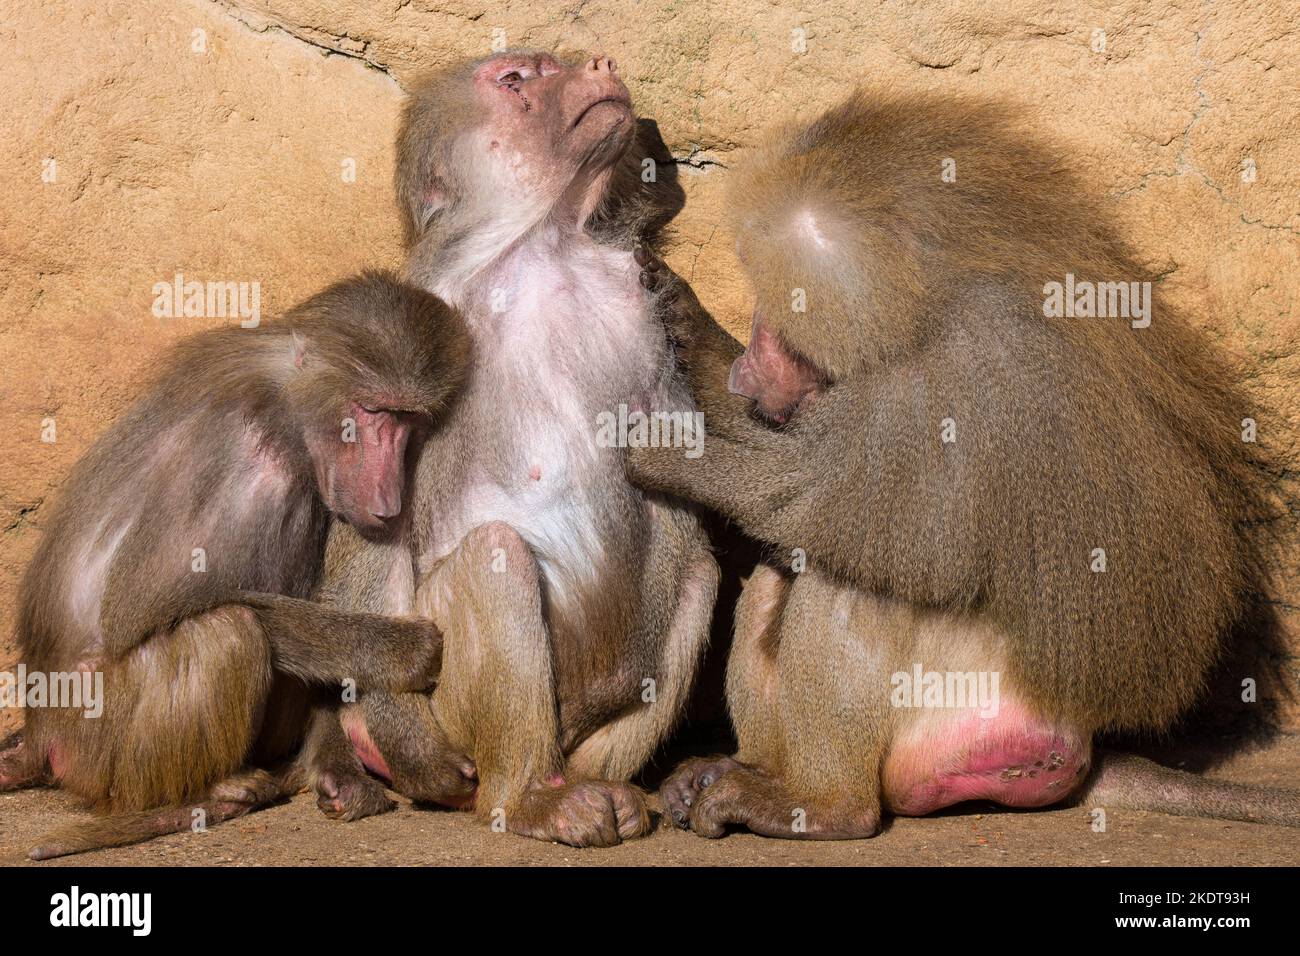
[(631, 813), (588, 813), (16, 769), (682, 788), (752, 798), (719, 804), (351, 798), (710, 794)]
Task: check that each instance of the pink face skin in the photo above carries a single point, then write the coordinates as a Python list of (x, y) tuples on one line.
[(362, 481), (777, 380), (577, 120)]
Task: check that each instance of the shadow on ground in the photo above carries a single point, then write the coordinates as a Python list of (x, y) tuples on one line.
[(295, 833)]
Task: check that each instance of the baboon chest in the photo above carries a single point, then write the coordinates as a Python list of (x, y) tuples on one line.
[(560, 341)]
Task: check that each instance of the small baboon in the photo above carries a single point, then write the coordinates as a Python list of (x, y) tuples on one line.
[(186, 540), (963, 481), (574, 608)]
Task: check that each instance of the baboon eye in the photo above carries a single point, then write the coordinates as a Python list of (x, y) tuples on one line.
[(514, 76)]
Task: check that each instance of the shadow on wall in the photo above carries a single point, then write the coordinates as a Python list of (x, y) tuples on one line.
[(1224, 723), (646, 194)]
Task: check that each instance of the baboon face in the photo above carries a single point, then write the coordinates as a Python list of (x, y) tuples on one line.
[(546, 121), (511, 139), (785, 248), (777, 379), (361, 470)]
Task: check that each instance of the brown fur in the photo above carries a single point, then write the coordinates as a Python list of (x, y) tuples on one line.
[(201, 674), (548, 642), (925, 303)]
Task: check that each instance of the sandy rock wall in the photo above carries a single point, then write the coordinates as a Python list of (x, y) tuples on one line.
[(251, 142)]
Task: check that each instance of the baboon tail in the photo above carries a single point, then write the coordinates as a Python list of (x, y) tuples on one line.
[(120, 829), (240, 794), (1135, 783)]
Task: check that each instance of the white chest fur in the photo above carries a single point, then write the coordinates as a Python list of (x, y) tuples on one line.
[(563, 333)]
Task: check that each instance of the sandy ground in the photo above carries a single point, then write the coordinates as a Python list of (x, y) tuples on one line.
[(295, 833)]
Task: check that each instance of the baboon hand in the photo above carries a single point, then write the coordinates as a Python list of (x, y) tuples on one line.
[(417, 654), (397, 654), (680, 321)]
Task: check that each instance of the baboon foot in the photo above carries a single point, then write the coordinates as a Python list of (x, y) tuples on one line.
[(752, 798), (586, 813), (16, 770), (349, 796), (684, 784)]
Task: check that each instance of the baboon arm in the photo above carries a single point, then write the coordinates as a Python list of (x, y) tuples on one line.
[(322, 644), (748, 471), (749, 483), (705, 353), (132, 612)]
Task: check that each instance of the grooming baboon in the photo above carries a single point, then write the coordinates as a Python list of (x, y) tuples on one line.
[(574, 608), (187, 538), (978, 485)]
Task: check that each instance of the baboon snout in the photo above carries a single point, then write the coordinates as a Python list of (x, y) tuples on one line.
[(769, 374)]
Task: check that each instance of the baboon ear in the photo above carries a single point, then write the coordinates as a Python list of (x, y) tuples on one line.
[(432, 201), (297, 349)]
